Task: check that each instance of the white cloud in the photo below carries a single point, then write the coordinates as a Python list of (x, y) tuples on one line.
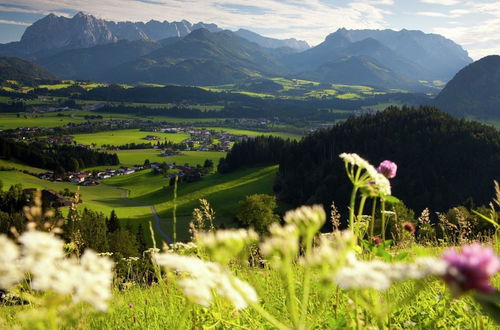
[(9, 9), (442, 2), (432, 14), (6, 21), (480, 39), (311, 20)]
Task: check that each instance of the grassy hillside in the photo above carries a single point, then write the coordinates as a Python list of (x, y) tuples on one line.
[(222, 191), (144, 189)]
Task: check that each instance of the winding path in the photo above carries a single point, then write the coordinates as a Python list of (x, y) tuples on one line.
[(156, 217)]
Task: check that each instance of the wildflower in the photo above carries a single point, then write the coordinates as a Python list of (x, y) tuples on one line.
[(388, 169), (224, 245), (95, 280), (308, 219), (409, 227), (377, 240), (380, 275), (282, 244), (205, 277), (371, 182), (471, 268), (183, 247), (329, 255), (9, 272)]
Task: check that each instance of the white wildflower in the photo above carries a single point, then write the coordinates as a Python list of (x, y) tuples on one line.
[(308, 219), (224, 245), (9, 271), (380, 275), (95, 280), (283, 243), (370, 181), (40, 249), (205, 277), (183, 247)]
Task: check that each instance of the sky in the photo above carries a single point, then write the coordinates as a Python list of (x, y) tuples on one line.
[(475, 25)]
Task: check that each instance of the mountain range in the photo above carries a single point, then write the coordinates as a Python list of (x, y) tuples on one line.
[(84, 47), (474, 91)]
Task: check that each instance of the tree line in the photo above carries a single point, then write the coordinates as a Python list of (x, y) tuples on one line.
[(58, 158), (442, 161)]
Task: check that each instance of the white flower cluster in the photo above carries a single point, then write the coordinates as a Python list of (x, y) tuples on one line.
[(380, 275), (183, 247), (372, 181), (283, 243), (308, 219), (224, 245), (41, 255), (203, 278), (9, 272)]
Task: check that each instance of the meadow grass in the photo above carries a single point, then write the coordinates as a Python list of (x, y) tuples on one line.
[(420, 305), (11, 121), (121, 137), (138, 156), (236, 131), (13, 164)]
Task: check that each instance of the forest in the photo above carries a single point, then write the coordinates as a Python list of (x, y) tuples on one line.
[(444, 162), (58, 158)]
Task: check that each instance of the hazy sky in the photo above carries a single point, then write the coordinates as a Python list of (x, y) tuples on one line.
[(475, 25)]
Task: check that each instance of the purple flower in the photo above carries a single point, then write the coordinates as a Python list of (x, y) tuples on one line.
[(388, 169), (471, 268)]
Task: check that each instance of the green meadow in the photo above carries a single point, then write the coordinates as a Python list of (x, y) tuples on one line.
[(222, 191), (121, 137), (11, 121)]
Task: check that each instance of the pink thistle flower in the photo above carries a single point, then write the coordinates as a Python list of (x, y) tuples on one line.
[(471, 268), (388, 169), (377, 240)]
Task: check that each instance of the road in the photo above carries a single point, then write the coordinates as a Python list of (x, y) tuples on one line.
[(156, 218)]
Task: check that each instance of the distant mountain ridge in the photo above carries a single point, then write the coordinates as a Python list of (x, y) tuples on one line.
[(389, 48), (84, 47), (56, 33), (474, 91), (12, 68)]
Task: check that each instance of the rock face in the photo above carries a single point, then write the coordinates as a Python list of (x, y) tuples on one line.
[(52, 33), (474, 91)]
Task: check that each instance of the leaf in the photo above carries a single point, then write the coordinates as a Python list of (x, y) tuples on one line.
[(391, 199), (496, 225), (402, 256), (490, 304)]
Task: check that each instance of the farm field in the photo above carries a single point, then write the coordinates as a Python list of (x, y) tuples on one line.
[(283, 135), (121, 137), (11, 121), (138, 156)]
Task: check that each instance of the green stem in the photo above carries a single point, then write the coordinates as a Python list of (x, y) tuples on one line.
[(292, 298), (307, 282), (351, 207), (360, 212), (372, 224), (383, 219), (175, 211)]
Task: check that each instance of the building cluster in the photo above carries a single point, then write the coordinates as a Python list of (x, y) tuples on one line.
[(90, 178)]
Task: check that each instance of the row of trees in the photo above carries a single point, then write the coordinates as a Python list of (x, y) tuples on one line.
[(58, 158)]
